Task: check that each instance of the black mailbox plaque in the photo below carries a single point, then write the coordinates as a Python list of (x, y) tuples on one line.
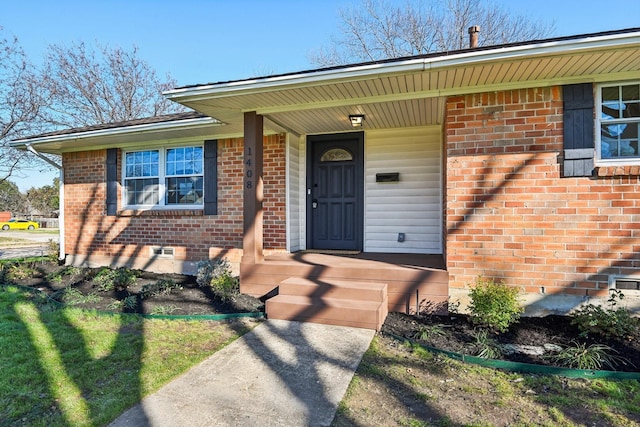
[(388, 177)]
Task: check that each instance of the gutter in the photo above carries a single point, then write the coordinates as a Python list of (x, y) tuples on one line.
[(61, 253), (144, 128), (43, 157)]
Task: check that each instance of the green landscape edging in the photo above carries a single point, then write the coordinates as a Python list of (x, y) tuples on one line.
[(254, 314), (527, 367)]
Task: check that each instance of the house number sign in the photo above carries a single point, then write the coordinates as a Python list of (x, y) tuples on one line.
[(248, 175)]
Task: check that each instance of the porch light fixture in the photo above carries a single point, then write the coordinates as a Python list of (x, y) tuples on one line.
[(356, 120)]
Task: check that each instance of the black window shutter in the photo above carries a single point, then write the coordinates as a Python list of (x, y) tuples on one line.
[(112, 181), (578, 129), (211, 177)]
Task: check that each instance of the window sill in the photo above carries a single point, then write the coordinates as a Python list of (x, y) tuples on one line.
[(160, 212), (617, 170)]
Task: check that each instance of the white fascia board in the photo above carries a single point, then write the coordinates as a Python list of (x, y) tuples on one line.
[(554, 48), (135, 129), (471, 57)]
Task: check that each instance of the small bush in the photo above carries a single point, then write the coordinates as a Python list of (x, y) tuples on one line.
[(71, 296), (19, 271), (108, 279), (494, 305), (53, 250), (57, 276), (130, 303), (610, 322), (216, 274), (161, 287)]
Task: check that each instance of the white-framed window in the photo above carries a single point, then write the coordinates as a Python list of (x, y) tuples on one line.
[(617, 122), (170, 177)]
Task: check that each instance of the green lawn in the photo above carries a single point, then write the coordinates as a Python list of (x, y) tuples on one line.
[(401, 384), (71, 367)]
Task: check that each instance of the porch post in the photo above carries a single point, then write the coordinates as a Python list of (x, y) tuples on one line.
[(253, 190)]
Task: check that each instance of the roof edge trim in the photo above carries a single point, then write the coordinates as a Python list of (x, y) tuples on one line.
[(122, 130)]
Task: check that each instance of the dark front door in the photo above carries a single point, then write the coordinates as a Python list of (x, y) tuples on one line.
[(335, 191)]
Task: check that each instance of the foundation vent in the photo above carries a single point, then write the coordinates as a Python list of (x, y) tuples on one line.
[(162, 252), (625, 284)]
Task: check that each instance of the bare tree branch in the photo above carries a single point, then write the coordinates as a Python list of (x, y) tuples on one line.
[(20, 104), (90, 86), (379, 29)]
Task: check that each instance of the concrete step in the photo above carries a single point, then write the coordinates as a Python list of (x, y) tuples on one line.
[(356, 303), (329, 311), (359, 290)]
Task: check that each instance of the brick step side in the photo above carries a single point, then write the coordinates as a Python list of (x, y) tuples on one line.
[(332, 288), (333, 311)]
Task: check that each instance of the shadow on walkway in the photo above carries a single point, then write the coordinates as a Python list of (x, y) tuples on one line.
[(280, 374)]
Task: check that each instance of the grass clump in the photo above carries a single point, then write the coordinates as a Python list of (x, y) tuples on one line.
[(487, 347), (494, 305), (164, 310), (593, 357), (216, 274), (425, 333)]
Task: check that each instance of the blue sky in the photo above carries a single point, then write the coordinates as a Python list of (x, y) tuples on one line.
[(211, 41)]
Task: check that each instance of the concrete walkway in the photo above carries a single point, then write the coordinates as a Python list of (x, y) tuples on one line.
[(279, 374)]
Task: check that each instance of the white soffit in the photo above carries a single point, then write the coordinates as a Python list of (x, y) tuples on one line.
[(390, 93), (588, 46)]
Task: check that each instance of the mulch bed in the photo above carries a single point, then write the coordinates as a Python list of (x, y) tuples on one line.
[(454, 332), (187, 298), (458, 335)]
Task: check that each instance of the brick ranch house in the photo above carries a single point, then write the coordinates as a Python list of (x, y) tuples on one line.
[(517, 162)]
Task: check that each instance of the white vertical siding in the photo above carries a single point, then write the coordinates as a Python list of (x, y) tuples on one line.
[(413, 205), (295, 193)]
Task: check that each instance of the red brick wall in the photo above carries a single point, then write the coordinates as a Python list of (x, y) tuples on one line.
[(90, 231), (509, 213)]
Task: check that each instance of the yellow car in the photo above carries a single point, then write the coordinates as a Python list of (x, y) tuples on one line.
[(19, 224)]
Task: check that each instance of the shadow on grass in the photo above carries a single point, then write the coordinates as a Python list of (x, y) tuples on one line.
[(63, 375)]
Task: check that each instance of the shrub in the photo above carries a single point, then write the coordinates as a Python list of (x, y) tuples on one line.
[(216, 274), (130, 303), (57, 276), (53, 250), (161, 287), (494, 305), (72, 296), (19, 271), (120, 279), (610, 322)]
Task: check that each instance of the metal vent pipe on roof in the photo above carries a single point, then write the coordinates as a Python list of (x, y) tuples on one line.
[(473, 36)]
